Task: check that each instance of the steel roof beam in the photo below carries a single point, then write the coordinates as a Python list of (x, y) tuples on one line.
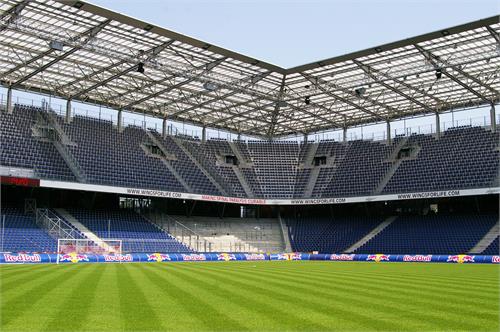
[(151, 53), (208, 67), (434, 60), (89, 34), (275, 113), (253, 79), (368, 70), (494, 34), (316, 82), (14, 12), (410, 87)]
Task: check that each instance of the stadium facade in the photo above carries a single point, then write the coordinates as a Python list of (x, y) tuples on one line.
[(81, 178)]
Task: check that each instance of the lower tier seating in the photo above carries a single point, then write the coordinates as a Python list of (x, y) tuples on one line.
[(431, 235), (22, 234), (137, 233)]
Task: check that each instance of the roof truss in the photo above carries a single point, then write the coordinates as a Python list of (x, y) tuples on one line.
[(196, 82)]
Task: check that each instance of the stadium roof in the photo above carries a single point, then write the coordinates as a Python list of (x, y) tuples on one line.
[(79, 51)]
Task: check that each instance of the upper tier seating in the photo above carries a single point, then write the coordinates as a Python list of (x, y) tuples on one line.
[(22, 234), (113, 158), (465, 157), (21, 149), (430, 235), (137, 233)]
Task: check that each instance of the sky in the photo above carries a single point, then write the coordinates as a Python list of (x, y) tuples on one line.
[(291, 33)]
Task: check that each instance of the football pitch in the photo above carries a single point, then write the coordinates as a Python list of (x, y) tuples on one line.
[(250, 296)]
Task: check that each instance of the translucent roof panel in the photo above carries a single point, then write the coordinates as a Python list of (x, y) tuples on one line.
[(79, 51)]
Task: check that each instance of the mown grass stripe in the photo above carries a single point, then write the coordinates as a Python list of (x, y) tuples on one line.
[(480, 291), (352, 276), (12, 273), (188, 297), (136, 314), (72, 313), (385, 270), (22, 303), (277, 279), (294, 294), (413, 278), (17, 280), (262, 309)]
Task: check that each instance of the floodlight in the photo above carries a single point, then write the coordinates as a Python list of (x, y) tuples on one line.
[(140, 67)]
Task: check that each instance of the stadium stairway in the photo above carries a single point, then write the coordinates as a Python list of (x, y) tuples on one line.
[(243, 181), (487, 240), (371, 235), (81, 228), (209, 175), (285, 234)]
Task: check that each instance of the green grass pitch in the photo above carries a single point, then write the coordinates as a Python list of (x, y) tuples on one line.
[(250, 296)]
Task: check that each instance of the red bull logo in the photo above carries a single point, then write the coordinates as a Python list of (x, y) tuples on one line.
[(461, 259), (73, 258), (378, 258), (226, 257), (495, 259), (194, 257), (157, 257), (255, 257), (118, 258), (417, 258), (22, 258), (294, 256), (342, 257)]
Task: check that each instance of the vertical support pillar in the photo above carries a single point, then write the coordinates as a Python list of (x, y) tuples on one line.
[(120, 121), (389, 140), (438, 126), (164, 128), (344, 134), (239, 137), (203, 134), (305, 138), (493, 118), (68, 111), (9, 101)]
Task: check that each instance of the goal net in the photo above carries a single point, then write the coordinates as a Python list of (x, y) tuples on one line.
[(72, 247)]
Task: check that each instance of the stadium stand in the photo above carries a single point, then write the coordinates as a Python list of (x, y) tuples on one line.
[(463, 158), (113, 158), (493, 248), (20, 148), (226, 234), (430, 234), (22, 234), (137, 233), (328, 235)]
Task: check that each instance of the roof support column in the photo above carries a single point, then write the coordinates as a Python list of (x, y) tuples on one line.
[(164, 128), (305, 138), (9, 100), (493, 118), (204, 134), (120, 121), (389, 140), (68, 111), (438, 126), (344, 134)]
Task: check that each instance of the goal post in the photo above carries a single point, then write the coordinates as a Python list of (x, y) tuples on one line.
[(70, 249)]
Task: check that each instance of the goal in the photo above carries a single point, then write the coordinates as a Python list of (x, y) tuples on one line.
[(76, 249)]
